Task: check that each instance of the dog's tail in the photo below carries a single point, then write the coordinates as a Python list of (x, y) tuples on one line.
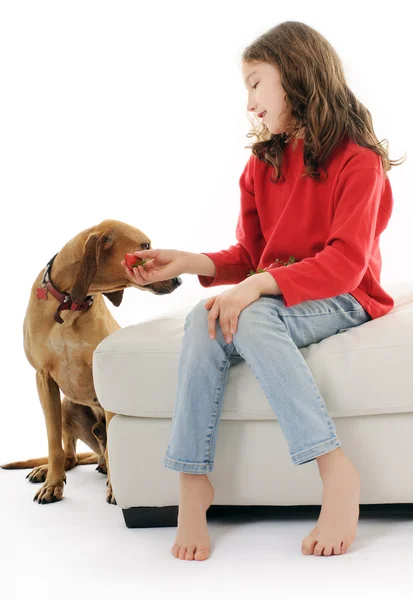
[(83, 458)]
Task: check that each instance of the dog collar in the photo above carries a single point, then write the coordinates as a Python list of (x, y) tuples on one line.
[(66, 303)]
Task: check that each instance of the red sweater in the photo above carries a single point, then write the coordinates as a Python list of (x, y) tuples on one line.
[(332, 228)]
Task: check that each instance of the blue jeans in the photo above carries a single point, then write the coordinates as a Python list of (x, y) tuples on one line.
[(267, 337)]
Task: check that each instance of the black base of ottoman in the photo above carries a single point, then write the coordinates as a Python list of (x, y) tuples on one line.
[(167, 516)]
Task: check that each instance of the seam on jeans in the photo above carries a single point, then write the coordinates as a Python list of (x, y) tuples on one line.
[(335, 312), (221, 377), (185, 462), (318, 445)]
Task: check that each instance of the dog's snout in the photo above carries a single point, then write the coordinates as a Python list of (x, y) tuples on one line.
[(178, 280)]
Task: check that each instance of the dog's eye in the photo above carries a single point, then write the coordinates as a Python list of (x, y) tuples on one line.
[(146, 246)]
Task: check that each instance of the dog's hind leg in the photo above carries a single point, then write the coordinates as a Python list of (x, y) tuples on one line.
[(88, 425)]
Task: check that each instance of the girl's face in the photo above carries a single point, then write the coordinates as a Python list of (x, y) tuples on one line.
[(265, 93)]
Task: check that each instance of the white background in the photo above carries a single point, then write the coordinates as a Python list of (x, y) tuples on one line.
[(137, 111)]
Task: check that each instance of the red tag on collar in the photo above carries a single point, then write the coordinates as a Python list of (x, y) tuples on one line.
[(41, 293)]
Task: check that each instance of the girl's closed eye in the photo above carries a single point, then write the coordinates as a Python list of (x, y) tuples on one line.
[(254, 86)]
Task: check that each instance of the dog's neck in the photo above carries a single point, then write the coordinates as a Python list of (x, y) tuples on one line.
[(55, 285), (63, 270)]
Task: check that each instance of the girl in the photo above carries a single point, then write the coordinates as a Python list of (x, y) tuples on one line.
[(306, 266)]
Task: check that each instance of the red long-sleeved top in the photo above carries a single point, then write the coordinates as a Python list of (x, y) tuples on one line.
[(332, 228)]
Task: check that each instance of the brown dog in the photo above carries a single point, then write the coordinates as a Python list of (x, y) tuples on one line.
[(61, 351)]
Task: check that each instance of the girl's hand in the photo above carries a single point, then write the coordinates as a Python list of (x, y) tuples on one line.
[(228, 306), (166, 264)]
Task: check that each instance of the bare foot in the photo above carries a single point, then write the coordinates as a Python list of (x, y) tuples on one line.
[(337, 523), (192, 538)]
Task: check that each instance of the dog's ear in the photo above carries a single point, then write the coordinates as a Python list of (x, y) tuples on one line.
[(115, 297), (94, 246)]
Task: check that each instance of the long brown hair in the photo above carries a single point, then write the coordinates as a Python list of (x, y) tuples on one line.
[(317, 98)]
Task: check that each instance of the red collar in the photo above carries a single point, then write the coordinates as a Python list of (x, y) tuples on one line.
[(66, 302)]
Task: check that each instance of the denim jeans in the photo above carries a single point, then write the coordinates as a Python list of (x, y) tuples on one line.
[(267, 337)]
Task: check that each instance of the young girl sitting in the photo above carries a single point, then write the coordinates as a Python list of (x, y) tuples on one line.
[(315, 198)]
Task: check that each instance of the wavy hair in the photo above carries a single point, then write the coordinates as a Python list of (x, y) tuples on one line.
[(317, 98)]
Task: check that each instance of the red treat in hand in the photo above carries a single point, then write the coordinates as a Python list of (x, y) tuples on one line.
[(132, 260)]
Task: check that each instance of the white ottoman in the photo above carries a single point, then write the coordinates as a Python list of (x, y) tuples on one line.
[(364, 374)]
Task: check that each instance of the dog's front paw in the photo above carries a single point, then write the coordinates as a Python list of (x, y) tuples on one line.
[(38, 475), (110, 498), (50, 492)]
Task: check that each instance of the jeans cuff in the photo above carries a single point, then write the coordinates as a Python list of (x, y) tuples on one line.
[(305, 456), (187, 467)]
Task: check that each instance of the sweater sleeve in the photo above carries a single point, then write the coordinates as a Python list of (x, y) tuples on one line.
[(340, 266), (234, 264)]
